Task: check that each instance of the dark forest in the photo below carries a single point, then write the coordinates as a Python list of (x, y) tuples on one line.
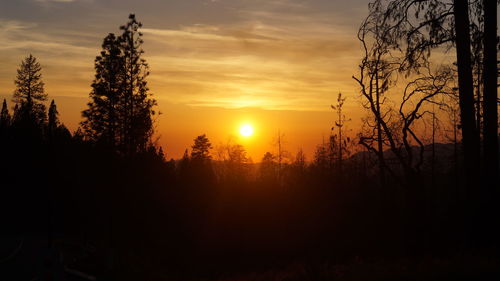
[(385, 203)]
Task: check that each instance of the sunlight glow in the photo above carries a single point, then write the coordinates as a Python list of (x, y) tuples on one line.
[(246, 130)]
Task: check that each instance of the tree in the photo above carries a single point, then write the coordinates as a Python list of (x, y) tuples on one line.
[(376, 70), (53, 117), (102, 123), (136, 106), (340, 124), (320, 160), (120, 113), (268, 168), (183, 166), (298, 169), (394, 128), (4, 116), (470, 133), (238, 161), (465, 24), (490, 93), (417, 28), (29, 94), (233, 162), (281, 155), (201, 149)]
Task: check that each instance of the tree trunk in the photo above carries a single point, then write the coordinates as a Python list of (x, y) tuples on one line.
[(380, 143), (470, 135), (490, 128)]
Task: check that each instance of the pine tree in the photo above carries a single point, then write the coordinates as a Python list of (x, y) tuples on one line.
[(201, 149), (29, 94), (4, 116), (120, 113), (101, 122), (161, 154), (53, 122), (136, 104), (15, 114), (268, 168), (53, 117), (184, 166)]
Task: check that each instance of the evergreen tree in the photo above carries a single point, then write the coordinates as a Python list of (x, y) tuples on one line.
[(4, 116), (15, 113), (120, 113), (161, 154), (300, 162), (29, 94), (321, 158), (183, 166), (268, 168), (201, 149), (53, 117), (136, 104), (101, 122)]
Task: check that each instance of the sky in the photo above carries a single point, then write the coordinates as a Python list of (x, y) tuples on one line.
[(215, 64)]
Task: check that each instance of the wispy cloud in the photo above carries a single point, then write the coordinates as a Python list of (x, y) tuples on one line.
[(55, 1), (274, 54), (272, 65)]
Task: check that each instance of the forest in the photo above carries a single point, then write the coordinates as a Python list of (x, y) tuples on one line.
[(412, 195)]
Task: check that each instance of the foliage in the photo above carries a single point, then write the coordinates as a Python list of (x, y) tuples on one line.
[(120, 113), (29, 94)]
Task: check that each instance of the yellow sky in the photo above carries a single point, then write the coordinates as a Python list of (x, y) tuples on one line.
[(277, 64)]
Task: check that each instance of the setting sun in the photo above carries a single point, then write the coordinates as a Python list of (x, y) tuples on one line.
[(246, 130)]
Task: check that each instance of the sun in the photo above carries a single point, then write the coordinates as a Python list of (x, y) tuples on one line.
[(246, 130)]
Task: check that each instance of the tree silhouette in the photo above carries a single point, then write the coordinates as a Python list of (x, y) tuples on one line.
[(201, 149), (102, 123), (120, 113), (417, 28), (321, 159), (232, 163), (376, 70), (136, 106), (29, 94), (281, 155), (4, 116), (53, 121), (183, 166), (340, 123), (490, 93), (299, 162), (268, 168), (470, 132), (200, 162), (395, 128)]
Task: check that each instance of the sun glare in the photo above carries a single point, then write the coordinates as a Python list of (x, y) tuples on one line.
[(246, 130)]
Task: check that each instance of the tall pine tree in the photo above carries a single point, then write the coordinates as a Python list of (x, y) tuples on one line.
[(120, 112), (29, 94), (136, 104), (53, 117), (101, 118), (4, 116)]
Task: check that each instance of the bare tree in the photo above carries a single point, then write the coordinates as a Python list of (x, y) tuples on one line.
[(394, 128), (417, 28), (374, 78), (340, 123), (281, 155)]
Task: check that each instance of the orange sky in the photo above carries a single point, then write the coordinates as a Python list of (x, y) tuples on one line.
[(276, 64)]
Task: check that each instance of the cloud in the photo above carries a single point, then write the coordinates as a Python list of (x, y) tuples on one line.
[(55, 1), (283, 63), (277, 54)]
